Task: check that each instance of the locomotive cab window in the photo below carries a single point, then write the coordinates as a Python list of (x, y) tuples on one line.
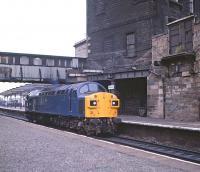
[(84, 89), (91, 88)]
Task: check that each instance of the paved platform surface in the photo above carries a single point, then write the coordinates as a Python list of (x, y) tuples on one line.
[(27, 147), (193, 126)]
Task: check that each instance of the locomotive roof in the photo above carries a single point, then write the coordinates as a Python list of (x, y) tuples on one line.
[(56, 88), (70, 86)]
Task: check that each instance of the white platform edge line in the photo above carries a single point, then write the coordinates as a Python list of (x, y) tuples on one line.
[(161, 125)]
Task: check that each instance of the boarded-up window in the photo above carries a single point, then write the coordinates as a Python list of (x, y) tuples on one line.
[(50, 62), (4, 59), (37, 61), (180, 36), (24, 60), (191, 6), (130, 38), (108, 44), (100, 7)]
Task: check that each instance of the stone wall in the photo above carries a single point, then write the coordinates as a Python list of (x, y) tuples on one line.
[(155, 99), (182, 98), (81, 49), (160, 46), (196, 40), (155, 93), (173, 89)]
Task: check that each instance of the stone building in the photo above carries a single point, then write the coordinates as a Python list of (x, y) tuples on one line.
[(174, 83), (128, 40), (81, 49)]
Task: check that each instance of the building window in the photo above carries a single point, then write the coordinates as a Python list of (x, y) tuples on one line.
[(130, 42), (13, 60), (4, 59), (108, 44), (50, 62), (24, 60), (37, 61), (74, 63), (100, 7), (59, 62), (66, 63), (176, 1), (191, 6)]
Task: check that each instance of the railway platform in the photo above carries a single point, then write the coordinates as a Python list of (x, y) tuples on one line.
[(162, 123), (184, 135), (31, 147)]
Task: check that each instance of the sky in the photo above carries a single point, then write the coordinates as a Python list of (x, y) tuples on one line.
[(41, 26), (7, 85)]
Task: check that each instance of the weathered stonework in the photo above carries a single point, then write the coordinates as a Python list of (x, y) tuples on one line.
[(160, 46), (155, 98), (109, 22), (182, 98), (81, 49), (109, 25), (177, 95)]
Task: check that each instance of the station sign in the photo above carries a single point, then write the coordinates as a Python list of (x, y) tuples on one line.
[(111, 87)]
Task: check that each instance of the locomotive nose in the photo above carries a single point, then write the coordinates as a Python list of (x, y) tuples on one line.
[(101, 105)]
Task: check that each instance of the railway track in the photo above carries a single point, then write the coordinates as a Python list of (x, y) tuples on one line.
[(155, 148), (182, 154), (19, 116)]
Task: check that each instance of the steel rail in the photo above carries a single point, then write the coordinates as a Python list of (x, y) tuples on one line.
[(174, 152)]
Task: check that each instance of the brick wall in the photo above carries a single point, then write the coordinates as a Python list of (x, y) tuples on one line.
[(108, 23), (107, 33)]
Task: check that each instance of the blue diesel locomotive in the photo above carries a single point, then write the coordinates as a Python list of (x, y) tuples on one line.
[(85, 107)]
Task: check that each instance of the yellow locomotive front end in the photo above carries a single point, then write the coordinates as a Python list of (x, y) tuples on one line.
[(101, 111), (101, 105)]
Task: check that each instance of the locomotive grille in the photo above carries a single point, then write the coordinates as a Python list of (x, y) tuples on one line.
[(81, 106)]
